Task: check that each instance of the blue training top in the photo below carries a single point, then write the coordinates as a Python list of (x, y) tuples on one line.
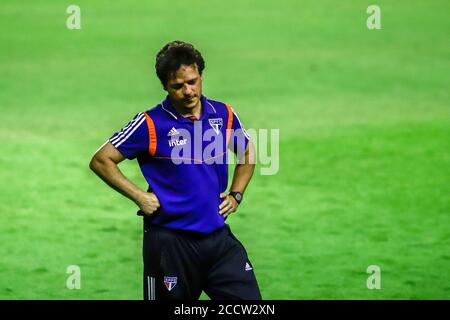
[(184, 161)]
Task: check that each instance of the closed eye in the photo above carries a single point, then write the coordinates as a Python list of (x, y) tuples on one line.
[(177, 86)]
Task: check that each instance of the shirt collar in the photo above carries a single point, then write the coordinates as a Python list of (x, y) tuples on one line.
[(207, 109)]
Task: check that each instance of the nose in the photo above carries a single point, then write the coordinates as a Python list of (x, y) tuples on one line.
[(188, 90)]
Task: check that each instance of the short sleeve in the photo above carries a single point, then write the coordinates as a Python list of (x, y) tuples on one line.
[(133, 139), (240, 137)]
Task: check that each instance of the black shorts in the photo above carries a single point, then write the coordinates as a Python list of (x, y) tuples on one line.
[(181, 264)]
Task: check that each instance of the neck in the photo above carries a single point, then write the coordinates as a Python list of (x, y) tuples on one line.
[(186, 112)]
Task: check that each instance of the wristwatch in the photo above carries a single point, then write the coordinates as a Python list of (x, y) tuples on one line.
[(237, 196)]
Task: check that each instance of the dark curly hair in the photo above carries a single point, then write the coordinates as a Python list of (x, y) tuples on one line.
[(173, 55)]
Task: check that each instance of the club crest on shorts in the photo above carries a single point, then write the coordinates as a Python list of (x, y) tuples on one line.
[(216, 124), (170, 282)]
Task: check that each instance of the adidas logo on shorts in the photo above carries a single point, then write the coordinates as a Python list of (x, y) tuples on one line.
[(248, 267)]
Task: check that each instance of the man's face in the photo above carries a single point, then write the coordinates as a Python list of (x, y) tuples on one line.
[(184, 87)]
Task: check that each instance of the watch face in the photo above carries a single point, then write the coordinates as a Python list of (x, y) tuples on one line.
[(238, 196)]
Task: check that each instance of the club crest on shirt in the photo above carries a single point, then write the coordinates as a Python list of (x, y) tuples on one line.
[(170, 282), (216, 124)]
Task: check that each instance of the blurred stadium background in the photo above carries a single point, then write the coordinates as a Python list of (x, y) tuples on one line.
[(364, 141)]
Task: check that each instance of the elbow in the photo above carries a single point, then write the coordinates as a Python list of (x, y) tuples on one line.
[(95, 163), (103, 159), (252, 167), (100, 163)]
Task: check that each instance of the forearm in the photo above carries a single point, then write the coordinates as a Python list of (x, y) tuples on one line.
[(110, 173), (244, 171), (241, 177)]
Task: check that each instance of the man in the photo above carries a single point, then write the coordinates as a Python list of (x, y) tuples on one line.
[(187, 246)]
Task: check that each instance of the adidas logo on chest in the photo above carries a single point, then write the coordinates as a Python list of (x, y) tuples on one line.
[(173, 132)]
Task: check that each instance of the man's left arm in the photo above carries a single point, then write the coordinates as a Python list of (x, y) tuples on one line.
[(241, 178)]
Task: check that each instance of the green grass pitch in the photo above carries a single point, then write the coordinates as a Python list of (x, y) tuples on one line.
[(364, 121)]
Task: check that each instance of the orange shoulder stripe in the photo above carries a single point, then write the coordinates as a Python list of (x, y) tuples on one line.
[(151, 135), (229, 123)]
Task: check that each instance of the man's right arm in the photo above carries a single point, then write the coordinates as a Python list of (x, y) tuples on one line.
[(105, 164)]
